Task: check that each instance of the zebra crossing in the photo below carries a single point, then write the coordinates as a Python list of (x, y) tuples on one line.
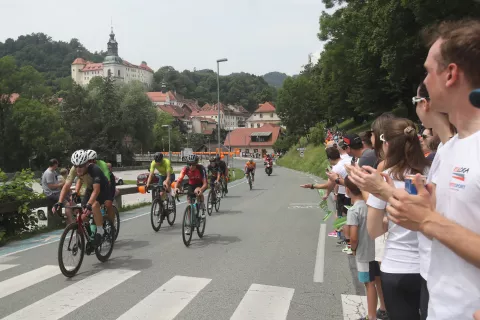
[(165, 303)]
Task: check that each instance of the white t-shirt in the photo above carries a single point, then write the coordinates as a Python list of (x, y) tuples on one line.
[(401, 247), (453, 283), (339, 169), (425, 244)]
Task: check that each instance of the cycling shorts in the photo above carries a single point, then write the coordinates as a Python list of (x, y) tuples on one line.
[(251, 170), (191, 189), (104, 195)]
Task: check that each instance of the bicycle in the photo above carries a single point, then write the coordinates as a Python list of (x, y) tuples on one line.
[(213, 199), (192, 220), (159, 210), (79, 231), (249, 178), (223, 186)]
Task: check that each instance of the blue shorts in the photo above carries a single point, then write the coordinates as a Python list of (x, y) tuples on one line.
[(364, 273), (163, 178)]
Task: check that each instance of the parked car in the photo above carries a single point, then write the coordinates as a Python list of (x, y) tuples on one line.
[(119, 180)]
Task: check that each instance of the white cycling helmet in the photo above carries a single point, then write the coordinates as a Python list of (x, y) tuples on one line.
[(192, 159), (79, 157), (251, 160), (91, 155)]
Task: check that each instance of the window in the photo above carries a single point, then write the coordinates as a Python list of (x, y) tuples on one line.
[(73, 70), (271, 115), (119, 73), (258, 125), (261, 115)]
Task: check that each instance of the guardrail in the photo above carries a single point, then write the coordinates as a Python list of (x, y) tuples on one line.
[(53, 219)]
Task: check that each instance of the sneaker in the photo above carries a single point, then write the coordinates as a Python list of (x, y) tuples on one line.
[(97, 240), (333, 234), (202, 214), (210, 206), (347, 247), (341, 242), (349, 252), (382, 315), (187, 231)]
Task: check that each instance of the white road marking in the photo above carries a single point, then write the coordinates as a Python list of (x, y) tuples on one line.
[(27, 279), (63, 302), (7, 259), (135, 217), (168, 301), (354, 307), (264, 303), (7, 266), (320, 260)]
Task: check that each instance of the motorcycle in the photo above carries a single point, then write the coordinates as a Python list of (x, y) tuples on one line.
[(268, 167)]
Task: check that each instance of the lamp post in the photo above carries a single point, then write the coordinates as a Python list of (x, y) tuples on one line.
[(169, 139), (218, 96)]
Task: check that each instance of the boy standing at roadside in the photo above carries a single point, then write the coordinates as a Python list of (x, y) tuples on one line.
[(362, 246)]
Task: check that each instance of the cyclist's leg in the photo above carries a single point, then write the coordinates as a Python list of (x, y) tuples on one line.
[(253, 175)]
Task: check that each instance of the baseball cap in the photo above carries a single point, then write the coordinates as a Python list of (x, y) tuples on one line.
[(353, 141)]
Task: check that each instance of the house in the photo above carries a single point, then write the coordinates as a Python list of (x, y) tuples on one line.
[(203, 125), (120, 70), (231, 116), (265, 114), (253, 141)]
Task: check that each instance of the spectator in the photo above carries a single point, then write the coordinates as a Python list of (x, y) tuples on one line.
[(400, 268), (366, 139), (453, 71), (378, 127), (113, 182), (50, 184), (362, 246), (365, 156)]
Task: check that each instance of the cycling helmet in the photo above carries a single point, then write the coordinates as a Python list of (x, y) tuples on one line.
[(213, 159), (79, 157), (251, 160), (158, 157), (91, 155), (192, 159)]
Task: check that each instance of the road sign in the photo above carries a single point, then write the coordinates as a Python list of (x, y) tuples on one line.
[(301, 154), (119, 158)]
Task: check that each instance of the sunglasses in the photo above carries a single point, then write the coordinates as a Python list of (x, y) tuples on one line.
[(416, 100)]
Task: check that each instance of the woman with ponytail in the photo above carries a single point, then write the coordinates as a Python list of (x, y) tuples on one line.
[(400, 268)]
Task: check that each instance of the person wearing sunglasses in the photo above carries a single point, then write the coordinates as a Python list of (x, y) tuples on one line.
[(197, 182), (97, 191)]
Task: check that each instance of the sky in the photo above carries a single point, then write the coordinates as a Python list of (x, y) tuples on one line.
[(256, 36)]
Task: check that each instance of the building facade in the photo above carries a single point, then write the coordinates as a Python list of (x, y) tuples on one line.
[(120, 70), (265, 114), (253, 142)]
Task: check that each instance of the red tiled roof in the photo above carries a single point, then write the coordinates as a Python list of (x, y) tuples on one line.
[(266, 107), (12, 97), (208, 131), (142, 66), (93, 67), (175, 111), (145, 67), (242, 136), (160, 96), (79, 61), (203, 113), (209, 120)]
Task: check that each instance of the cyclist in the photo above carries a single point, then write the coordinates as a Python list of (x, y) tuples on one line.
[(250, 167), (197, 181), (213, 172), (164, 167), (96, 193), (92, 158), (223, 168)]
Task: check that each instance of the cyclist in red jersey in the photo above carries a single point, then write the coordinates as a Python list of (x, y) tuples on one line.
[(197, 180)]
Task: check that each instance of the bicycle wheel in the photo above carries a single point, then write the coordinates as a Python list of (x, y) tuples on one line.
[(217, 204), (250, 181), (172, 214), (75, 245), (201, 227), (108, 239), (210, 202), (223, 187), (156, 214), (116, 222), (186, 224)]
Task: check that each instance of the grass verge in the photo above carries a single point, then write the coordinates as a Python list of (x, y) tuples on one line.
[(129, 182), (314, 160)]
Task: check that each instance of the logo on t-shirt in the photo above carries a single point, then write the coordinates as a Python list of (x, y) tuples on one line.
[(458, 178)]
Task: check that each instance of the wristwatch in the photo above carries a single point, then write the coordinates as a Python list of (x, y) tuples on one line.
[(337, 181), (311, 187)]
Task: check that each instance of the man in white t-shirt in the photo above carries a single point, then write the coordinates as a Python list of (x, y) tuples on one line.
[(453, 66)]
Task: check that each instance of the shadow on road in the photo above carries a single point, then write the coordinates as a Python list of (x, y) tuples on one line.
[(130, 244), (231, 197), (213, 239), (226, 212), (124, 262)]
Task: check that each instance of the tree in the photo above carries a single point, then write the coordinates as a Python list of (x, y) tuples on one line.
[(160, 133)]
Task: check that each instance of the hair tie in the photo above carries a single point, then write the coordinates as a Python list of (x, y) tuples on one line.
[(409, 131)]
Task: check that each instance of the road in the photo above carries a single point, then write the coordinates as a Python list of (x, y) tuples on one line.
[(265, 255)]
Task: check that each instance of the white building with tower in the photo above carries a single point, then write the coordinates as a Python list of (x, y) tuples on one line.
[(121, 70)]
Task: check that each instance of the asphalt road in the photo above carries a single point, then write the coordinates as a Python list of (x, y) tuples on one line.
[(265, 255)]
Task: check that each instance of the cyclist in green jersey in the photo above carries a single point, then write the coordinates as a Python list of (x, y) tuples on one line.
[(92, 158), (164, 167)]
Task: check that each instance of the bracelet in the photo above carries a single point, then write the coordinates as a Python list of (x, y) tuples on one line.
[(311, 186)]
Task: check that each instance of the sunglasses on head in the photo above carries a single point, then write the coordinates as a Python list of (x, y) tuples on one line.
[(416, 100)]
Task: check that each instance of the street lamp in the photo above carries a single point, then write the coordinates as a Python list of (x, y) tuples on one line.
[(218, 105), (169, 129)]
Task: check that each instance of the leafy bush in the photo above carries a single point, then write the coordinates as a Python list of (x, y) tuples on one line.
[(317, 134), (17, 193), (314, 160)]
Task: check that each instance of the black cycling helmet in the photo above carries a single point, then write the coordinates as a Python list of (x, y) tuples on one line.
[(192, 159), (158, 157)]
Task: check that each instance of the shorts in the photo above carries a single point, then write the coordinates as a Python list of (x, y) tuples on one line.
[(250, 170), (342, 201), (163, 178), (191, 189), (104, 195), (365, 272)]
